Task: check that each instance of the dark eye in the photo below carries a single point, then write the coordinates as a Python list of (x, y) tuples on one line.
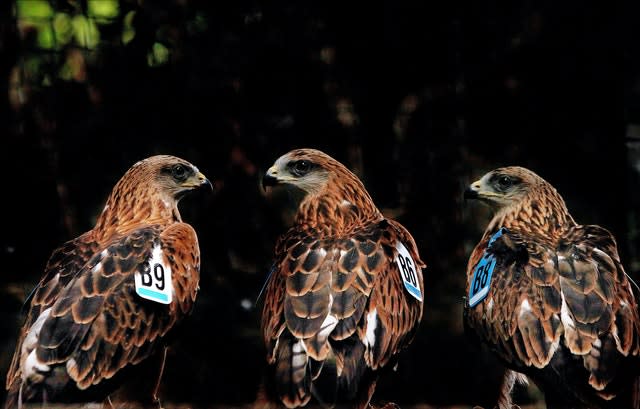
[(179, 172), (505, 182), (301, 167)]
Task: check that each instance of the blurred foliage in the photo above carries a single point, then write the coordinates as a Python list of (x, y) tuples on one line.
[(57, 29), (418, 98), (79, 25)]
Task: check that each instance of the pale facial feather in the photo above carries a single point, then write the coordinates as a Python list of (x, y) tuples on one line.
[(312, 183), (525, 198), (487, 186)]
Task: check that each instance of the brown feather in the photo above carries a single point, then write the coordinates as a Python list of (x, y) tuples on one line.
[(558, 289), (85, 321), (334, 279)]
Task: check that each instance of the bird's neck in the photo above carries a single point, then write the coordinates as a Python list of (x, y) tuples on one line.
[(126, 211), (337, 211), (547, 218)]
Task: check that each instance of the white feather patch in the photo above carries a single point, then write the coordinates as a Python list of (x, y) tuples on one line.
[(565, 316), (570, 332), (525, 306), (372, 324), (298, 359), (71, 364), (297, 347), (31, 366), (327, 326)]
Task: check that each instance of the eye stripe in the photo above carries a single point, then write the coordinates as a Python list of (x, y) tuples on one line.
[(179, 171), (503, 182), (300, 167)]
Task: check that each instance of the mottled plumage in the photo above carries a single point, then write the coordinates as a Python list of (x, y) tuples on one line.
[(560, 307), (336, 309), (87, 324)]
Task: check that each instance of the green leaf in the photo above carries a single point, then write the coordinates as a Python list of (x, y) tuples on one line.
[(103, 9), (33, 9), (128, 31), (46, 37), (159, 55), (85, 31), (63, 28)]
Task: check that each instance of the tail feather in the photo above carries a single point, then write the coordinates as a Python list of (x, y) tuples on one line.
[(350, 353), (293, 378), (325, 385), (13, 399)]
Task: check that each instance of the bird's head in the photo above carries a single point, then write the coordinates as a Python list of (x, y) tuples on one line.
[(307, 170), (171, 176), (518, 195), (503, 187), (313, 178), (177, 177), (149, 192)]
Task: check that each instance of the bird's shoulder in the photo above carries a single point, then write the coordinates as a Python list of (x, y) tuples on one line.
[(370, 246), (541, 293), (118, 294), (374, 267)]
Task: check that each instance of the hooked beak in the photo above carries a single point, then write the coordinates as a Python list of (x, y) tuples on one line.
[(198, 180), (471, 192), (270, 178), (204, 181)]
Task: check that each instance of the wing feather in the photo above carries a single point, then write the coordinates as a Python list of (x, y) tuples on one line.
[(62, 266), (398, 313), (571, 294), (326, 293), (99, 324)]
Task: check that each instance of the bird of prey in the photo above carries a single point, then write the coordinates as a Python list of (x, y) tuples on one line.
[(109, 298), (345, 293), (551, 297)]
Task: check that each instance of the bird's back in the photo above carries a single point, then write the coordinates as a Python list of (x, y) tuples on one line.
[(561, 311), (336, 311)]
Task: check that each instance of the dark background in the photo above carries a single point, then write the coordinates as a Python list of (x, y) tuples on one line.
[(419, 98)]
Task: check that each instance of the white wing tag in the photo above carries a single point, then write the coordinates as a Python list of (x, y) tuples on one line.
[(154, 283), (408, 271)]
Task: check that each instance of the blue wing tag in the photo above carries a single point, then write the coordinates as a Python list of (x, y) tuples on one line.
[(481, 280)]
